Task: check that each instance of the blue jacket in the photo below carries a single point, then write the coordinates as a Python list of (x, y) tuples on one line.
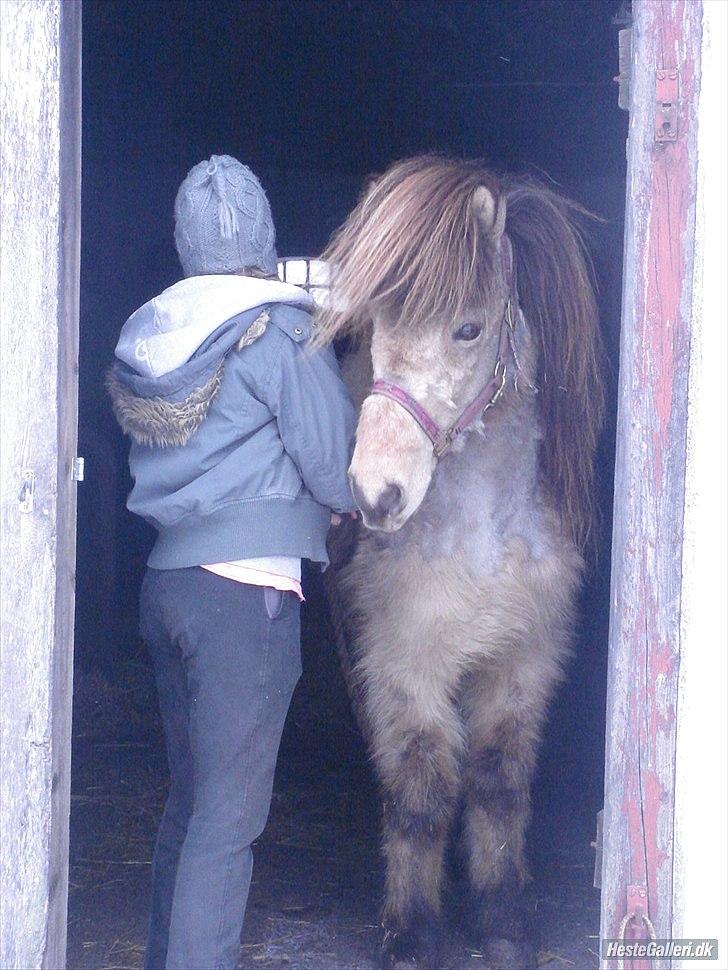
[(242, 450)]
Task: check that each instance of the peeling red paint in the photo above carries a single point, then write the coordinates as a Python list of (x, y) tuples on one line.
[(645, 634)]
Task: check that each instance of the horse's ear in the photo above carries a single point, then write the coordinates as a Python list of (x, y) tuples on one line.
[(490, 211)]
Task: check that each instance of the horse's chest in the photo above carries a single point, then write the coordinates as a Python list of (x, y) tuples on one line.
[(413, 598), (475, 504)]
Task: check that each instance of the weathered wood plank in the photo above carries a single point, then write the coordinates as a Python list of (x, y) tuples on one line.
[(701, 765), (650, 470), (39, 107), (68, 324)]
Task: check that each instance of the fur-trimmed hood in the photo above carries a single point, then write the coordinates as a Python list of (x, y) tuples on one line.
[(171, 351)]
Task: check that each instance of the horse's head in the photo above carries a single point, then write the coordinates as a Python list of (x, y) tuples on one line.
[(440, 363), (426, 262)]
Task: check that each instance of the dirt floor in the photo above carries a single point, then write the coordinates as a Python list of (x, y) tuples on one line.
[(317, 881)]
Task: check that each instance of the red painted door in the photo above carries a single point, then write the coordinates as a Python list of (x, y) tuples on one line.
[(644, 641)]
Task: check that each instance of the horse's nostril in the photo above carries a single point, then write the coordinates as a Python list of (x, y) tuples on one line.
[(390, 501)]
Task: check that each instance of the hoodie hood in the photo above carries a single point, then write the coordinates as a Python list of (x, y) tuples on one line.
[(164, 333), (171, 351)]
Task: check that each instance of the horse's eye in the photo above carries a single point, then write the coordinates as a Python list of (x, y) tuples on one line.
[(468, 331)]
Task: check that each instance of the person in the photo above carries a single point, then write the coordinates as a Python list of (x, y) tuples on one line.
[(241, 437)]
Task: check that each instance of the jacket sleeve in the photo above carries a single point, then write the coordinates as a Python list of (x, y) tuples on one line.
[(316, 420)]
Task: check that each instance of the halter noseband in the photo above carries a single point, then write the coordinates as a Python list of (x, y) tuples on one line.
[(442, 439)]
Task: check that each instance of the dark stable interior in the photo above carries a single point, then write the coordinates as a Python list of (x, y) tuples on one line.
[(315, 96)]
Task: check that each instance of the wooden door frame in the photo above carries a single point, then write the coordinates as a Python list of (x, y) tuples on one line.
[(657, 472), (40, 165), (656, 575)]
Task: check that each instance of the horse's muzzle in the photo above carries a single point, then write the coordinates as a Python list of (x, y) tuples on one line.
[(382, 513)]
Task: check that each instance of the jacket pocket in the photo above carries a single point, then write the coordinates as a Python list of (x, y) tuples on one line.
[(273, 601)]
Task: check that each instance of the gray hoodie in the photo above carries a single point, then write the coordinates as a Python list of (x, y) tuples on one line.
[(241, 436)]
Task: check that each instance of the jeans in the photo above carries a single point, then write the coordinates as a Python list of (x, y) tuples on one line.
[(227, 658)]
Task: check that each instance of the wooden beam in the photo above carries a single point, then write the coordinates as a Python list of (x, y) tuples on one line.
[(39, 247), (644, 640), (701, 764), (69, 261)]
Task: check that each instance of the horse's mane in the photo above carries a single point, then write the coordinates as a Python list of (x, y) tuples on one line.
[(556, 294), (415, 247)]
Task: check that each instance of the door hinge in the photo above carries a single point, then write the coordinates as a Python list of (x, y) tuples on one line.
[(597, 846), (624, 77), (666, 97), (26, 495), (77, 469)]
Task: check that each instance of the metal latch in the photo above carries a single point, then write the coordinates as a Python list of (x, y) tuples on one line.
[(636, 925), (666, 95), (77, 469)]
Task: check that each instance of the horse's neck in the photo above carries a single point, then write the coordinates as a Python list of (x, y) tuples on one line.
[(496, 469), (483, 493)]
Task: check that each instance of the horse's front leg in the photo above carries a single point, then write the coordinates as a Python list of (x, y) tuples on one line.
[(416, 746), (504, 717)]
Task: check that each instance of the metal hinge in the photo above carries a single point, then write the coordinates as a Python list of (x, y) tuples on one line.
[(624, 77), (667, 84), (597, 845), (77, 469), (26, 495), (623, 17)]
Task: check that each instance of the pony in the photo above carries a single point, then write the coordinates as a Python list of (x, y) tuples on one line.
[(470, 301)]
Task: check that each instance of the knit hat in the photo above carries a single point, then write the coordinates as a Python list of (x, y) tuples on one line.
[(223, 221)]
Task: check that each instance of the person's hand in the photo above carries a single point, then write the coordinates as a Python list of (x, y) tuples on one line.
[(336, 518)]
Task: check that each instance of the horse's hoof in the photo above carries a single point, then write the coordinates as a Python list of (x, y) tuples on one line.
[(503, 954), (411, 949)]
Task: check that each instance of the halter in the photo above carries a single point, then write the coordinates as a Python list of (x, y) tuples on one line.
[(442, 439)]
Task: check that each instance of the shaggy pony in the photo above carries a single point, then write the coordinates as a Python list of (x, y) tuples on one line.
[(454, 604)]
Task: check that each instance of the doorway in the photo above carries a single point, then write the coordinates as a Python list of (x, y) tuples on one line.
[(315, 98)]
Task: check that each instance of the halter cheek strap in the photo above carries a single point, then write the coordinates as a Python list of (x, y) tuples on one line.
[(396, 393), (442, 439)]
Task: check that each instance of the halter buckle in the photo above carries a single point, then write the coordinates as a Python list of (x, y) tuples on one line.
[(499, 373), (442, 443)]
